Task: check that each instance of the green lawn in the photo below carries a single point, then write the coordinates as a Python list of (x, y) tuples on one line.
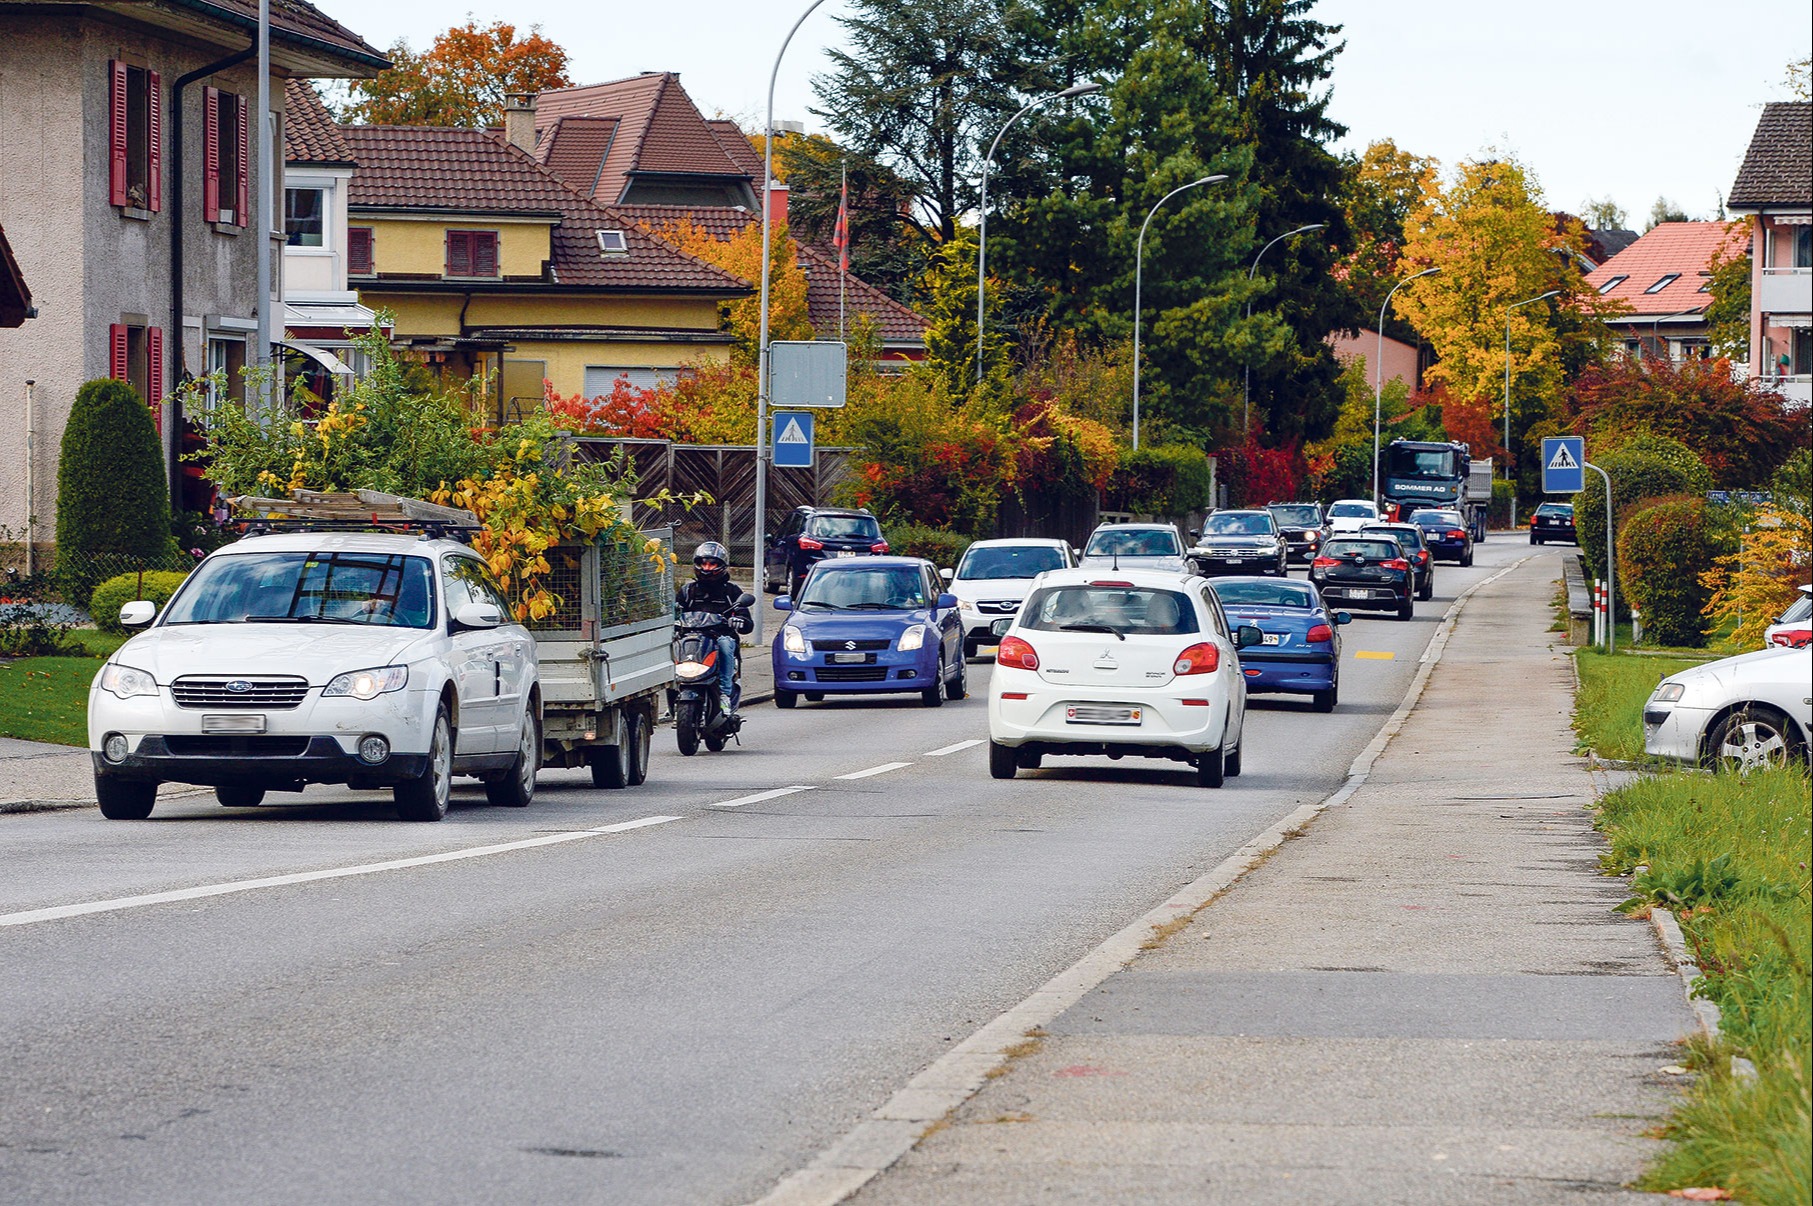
[(46, 698), (1608, 711)]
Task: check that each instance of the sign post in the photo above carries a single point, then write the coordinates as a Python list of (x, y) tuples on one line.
[(793, 439)]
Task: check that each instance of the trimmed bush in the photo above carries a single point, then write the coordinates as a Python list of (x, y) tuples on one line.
[(104, 605), (1642, 468), (1663, 551), (941, 548), (112, 499)]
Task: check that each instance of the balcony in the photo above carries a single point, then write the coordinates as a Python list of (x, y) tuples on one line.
[(1797, 389), (1786, 291)]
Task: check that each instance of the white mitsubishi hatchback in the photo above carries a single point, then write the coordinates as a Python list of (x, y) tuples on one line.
[(1140, 662), (371, 659)]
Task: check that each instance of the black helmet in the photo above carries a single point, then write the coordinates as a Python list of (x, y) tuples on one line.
[(711, 562)]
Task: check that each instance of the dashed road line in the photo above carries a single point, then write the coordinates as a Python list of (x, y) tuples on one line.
[(759, 796), (1375, 655), (883, 769), (942, 750)]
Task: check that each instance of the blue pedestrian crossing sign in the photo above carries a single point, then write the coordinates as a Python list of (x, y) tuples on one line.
[(1562, 458), (793, 439)]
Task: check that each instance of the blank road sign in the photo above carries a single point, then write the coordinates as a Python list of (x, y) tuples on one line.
[(1562, 458), (793, 439), (806, 372)]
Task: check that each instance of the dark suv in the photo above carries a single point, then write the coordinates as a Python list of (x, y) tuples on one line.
[(812, 534), (1302, 527)]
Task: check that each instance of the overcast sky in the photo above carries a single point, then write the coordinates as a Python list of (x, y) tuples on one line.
[(1631, 102)]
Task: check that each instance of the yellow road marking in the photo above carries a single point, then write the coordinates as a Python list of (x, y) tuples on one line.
[(1377, 657)]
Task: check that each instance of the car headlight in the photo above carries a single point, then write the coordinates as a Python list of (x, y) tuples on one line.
[(911, 639), (1668, 693), (126, 682), (793, 640), (367, 684), (965, 605)]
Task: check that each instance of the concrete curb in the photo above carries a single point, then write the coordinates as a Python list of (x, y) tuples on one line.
[(893, 1130)]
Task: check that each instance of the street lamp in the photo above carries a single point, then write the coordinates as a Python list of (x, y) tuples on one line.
[(761, 344), (1510, 476), (1083, 89), (1139, 262), (1378, 378), (1655, 331), (1246, 386)]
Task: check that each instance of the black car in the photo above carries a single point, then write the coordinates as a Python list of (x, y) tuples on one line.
[(1302, 528), (1416, 551), (1447, 535), (1365, 571), (1239, 542), (1553, 521), (812, 534)]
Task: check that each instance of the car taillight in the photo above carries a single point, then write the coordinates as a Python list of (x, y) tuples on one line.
[(1396, 563), (1422, 555), (1325, 562), (808, 542), (880, 546), (1108, 582), (1456, 534), (1198, 659), (1016, 653), (1319, 632)]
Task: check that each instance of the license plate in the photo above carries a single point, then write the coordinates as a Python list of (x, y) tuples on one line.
[(844, 553), (1270, 638), (841, 658), (239, 722), (1232, 560), (1359, 593), (1099, 714)]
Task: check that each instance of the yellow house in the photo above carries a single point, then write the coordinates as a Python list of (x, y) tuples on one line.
[(492, 265)]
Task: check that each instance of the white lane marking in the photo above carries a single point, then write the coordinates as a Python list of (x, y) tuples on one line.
[(303, 877), (883, 769), (759, 796), (952, 749)]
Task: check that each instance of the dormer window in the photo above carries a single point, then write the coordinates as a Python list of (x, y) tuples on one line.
[(613, 242), (472, 253), (1608, 286), (1667, 280)]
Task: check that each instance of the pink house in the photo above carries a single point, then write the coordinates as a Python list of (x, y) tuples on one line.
[(1774, 188)]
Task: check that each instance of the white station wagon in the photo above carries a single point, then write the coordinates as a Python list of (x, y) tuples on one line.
[(376, 660), (1140, 663)]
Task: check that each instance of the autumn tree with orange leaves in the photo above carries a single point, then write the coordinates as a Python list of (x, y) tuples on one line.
[(741, 256), (460, 80)]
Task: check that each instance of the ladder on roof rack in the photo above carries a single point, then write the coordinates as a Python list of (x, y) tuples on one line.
[(359, 510)]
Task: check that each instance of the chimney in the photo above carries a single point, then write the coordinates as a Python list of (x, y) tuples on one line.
[(519, 120), (777, 204)]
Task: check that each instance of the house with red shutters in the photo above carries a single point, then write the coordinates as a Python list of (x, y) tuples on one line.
[(132, 176)]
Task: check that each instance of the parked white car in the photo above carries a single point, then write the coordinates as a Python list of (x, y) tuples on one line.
[(993, 577), (1149, 546), (370, 659), (1140, 663), (1350, 515), (1755, 709), (1794, 627)]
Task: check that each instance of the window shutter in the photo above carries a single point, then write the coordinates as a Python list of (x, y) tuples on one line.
[(484, 253), (116, 133), (358, 250), (154, 373), (459, 253), (154, 154), (242, 185), (210, 187), (116, 351)]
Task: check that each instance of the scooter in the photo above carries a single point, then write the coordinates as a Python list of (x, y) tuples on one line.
[(699, 711)]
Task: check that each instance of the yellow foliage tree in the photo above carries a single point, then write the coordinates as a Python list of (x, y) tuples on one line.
[(1753, 585), (741, 255)]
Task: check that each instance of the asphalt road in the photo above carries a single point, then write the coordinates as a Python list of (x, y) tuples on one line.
[(681, 1011)]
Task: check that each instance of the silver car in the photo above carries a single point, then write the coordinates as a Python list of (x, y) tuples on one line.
[(1738, 713), (1146, 546)]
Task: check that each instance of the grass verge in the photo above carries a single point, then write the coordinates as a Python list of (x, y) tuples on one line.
[(1608, 709), (46, 698), (1729, 855)]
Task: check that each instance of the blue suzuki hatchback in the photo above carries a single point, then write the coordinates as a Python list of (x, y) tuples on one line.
[(1300, 651), (867, 626)]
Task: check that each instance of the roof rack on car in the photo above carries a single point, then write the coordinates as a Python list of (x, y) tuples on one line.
[(358, 511)]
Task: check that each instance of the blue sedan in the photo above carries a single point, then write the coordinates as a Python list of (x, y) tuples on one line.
[(1300, 651), (867, 626)]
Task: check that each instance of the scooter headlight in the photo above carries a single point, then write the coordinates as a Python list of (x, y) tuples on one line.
[(691, 671)]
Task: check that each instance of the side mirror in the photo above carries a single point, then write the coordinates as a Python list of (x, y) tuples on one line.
[(999, 628), (783, 604), (946, 601), (137, 612), (745, 599), (1343, 617), (1195, 533), (1247, 635), (947, 574), (477, 615)]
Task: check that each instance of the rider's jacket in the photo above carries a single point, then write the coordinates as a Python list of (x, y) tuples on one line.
[(719, 598)]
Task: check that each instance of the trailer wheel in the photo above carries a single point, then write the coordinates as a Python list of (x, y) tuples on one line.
[(642, 730), (612, 764)]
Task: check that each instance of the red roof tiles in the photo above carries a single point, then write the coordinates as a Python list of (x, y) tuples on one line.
[(659, 130), (1684, 250), (309, 132), (736, 144), (1778, 167)]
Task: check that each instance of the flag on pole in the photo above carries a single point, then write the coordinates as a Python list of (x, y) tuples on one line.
[(840, 238)]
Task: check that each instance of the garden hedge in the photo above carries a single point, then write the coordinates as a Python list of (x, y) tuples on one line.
[(936, 545), (1642, 468), (1663, 549), (112, 499), (104, 605)]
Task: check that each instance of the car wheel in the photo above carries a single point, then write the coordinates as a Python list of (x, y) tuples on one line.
[(1230, 765), (125, 799), (959, 684), (425, 798), (237, 796), (971, 648), (815, 697), (933, 696), (1027, 759), (1325, 701), (1466, 558), (1211, 768), (1428, 591), (1751, 738), (784, 698), (515, 788), (611, 764), (1533, 539), (794, 583), (1002, 760), (1407, 608)]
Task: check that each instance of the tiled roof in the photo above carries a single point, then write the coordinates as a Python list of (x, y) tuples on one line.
[(736, 144), (897, 323), (1778, 167), (294, 21), (574, 149), (659, 129), (1685, 249), (474, 171), (309, 132)]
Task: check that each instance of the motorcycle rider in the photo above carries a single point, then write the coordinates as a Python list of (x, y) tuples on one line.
[(711, 590)]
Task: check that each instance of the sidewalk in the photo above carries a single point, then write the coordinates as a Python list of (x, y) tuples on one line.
[(1426, 998)]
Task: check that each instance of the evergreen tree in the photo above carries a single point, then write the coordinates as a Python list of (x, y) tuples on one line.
[(113, 504), (886, 250)]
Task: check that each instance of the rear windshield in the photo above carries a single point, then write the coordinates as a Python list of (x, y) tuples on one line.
[(1566, 509), (1253, 523), (878, 588), (1009, 561), (861, 527), (1257, 592), (1380, 550), (1150, 542), (1303, 516), (1406, 536), (1352, 511), (1798, 610), (345, 588), (1133, 610), (1436, 519)]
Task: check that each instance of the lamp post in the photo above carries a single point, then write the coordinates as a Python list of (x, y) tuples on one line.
[(1378, 378), (1139, 263), (1246, 386), (1083, 89), (1509, 462), (1655, 331), (761, 344)]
